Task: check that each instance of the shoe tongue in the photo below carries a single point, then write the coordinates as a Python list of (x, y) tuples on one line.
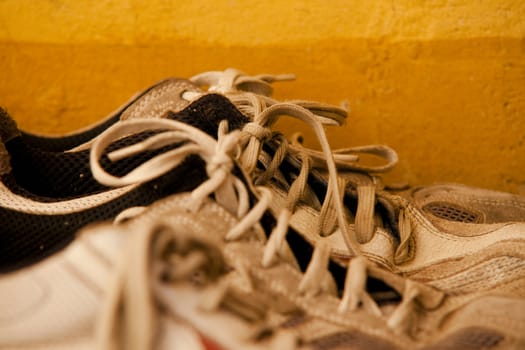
[(166, 95)]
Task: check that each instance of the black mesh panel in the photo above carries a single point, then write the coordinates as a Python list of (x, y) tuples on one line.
[(54, 176)]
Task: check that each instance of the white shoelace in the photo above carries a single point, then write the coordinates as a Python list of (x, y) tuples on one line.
[(132, 282), (359, 267), (230, 192), (252, 96), (258, 131), (232, 80)]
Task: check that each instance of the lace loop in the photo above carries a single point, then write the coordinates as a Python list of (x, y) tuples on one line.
[(364, 218), (269, 116), (328, 214), (403, 319), (276, 239), (253, 215)]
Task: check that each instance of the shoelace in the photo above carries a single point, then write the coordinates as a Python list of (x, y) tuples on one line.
[(363, 176), (232, 194), (232, 80), (177, 132), (259, 131), (252, 96), (359, 267), (132, 281)]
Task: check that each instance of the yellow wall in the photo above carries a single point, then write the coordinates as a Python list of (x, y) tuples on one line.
[(443, 81)]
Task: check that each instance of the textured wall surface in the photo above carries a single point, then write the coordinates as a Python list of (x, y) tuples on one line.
[(443, 81)]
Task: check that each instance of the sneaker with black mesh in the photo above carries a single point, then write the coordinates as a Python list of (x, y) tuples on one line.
[(387, 228), (46, 196), (443, 266), (222, 266), (384, 227), (158, 280)]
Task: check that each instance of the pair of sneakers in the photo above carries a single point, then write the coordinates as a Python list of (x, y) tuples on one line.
[(48, 193), (408, 303)]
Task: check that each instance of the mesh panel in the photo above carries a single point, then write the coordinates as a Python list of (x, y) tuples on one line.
[(26, 238), (474, 338), (452, 212), (67, 175), (51, 176)]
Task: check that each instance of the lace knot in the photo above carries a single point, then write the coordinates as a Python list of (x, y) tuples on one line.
[(219, 161), (260, 132)]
